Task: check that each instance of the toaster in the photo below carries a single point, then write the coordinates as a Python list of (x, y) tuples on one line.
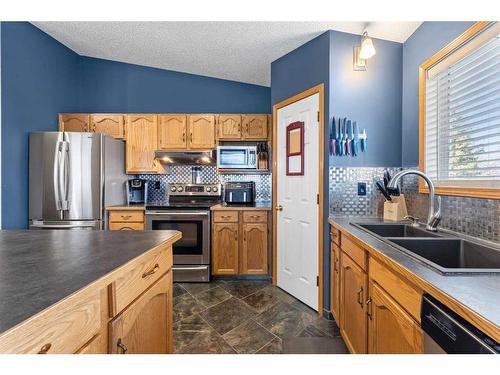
[(239, 192)]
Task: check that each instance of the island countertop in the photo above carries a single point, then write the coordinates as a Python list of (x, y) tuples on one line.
[(474, 296), (40, 268)]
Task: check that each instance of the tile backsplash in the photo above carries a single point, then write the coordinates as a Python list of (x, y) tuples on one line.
[(472, 216), (209, 175)]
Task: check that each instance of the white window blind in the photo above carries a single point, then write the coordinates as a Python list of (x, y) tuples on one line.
[(462, 115)]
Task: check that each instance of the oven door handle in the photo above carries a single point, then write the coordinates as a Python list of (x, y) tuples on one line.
[(198, 268), (170, 213)]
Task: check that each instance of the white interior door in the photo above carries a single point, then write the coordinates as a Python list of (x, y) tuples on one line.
[(297, 224)]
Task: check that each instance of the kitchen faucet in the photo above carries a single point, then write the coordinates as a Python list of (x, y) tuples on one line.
[(434, 216)]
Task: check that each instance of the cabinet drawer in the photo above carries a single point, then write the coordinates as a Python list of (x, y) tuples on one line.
[(255, 216), (126, 226), (126, 216), (355, 252), (335, 235), (225, 216), (61, 329), (409, 297), (139, 276)]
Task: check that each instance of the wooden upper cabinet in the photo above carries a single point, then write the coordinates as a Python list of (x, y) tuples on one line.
[(172, 132), (353, 295), (254, 127), (391, 329), (229, 127), (254, 249), (145, 327), (108, 124), (141, 134), (201, 132), (225, 239), (335, 281), (74, 122)]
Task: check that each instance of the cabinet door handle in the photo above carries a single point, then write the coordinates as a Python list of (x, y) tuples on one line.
[(244, 236), (191, 137), (369, 307), (336, 265), (126, 228), (183, 137), (360, 296), (126, 217), (122, 346), (150, 272), (45, 348)]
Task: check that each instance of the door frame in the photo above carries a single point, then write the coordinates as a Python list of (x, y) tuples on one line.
[(318, 89)]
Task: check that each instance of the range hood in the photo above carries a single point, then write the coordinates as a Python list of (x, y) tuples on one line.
[(186, 157)]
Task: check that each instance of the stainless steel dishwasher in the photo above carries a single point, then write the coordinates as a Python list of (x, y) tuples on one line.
[(447, 332)]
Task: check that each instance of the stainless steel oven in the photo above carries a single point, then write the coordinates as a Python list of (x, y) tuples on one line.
[(192, 251)]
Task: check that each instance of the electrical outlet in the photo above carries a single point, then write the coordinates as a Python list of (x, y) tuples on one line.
[(157, 185), (362, 188)]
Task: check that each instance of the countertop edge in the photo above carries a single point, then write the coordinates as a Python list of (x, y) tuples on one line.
[(220, 207), (126, 208), (457, 306), (98, 283)]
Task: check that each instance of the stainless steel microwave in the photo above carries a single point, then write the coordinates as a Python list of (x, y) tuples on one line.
[(237, 157)]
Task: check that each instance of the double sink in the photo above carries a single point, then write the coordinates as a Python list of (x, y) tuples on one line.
[(446, 253)]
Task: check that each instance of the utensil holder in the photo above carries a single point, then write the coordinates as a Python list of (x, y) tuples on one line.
[(395, 210)]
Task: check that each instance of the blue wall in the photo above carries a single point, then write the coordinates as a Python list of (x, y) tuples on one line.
[(39, 79), (299, 70), (429, 38), (371, 97), (110, 86)]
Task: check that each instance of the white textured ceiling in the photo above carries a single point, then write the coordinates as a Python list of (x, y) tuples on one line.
[(239, 51)]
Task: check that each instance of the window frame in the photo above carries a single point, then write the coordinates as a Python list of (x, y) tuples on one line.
[(475, 192)]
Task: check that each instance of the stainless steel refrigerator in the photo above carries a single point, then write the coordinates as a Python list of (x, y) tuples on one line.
[(72, 178)]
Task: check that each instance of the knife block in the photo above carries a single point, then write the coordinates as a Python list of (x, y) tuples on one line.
[(395, 210)]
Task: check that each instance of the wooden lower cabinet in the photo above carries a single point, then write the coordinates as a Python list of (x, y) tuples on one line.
[(353, 292), (391, 330), (145, 327), (225, 239), (254, 249), (240, 242), (335, 281)]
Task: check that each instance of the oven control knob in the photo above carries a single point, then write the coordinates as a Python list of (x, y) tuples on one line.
[(214, 189), (209, 189), (173, 188), (180, 188)]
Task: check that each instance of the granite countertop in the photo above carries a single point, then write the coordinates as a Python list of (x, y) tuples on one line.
[(267, 205), (40, 268), (127, 207), (477, 292)]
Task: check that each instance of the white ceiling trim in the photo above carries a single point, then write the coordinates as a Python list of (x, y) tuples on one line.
[(238, 51)]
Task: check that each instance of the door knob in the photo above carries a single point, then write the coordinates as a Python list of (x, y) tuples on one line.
[(279, 208)]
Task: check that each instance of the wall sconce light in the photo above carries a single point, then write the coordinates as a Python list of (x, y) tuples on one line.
[(363, 52)]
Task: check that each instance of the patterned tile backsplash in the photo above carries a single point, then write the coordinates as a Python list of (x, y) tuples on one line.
[(472, 216), (209, 175)]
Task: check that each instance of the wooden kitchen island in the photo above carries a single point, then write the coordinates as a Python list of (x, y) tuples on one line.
[(86, 291)]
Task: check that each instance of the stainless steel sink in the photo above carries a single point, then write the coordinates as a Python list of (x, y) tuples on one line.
[(452, 255), (397, 230), (446, 253)]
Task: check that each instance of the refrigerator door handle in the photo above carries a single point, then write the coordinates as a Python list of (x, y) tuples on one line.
[(66, 175), (57, 176)]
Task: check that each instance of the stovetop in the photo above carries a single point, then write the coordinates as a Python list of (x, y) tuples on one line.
[(188, 196)]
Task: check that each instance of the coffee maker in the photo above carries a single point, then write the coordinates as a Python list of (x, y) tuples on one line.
[(137, 191)]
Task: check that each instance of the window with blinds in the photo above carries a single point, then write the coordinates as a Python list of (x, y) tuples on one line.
[(462, 114)]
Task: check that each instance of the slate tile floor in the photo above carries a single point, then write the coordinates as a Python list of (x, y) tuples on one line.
[(248, 316)]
